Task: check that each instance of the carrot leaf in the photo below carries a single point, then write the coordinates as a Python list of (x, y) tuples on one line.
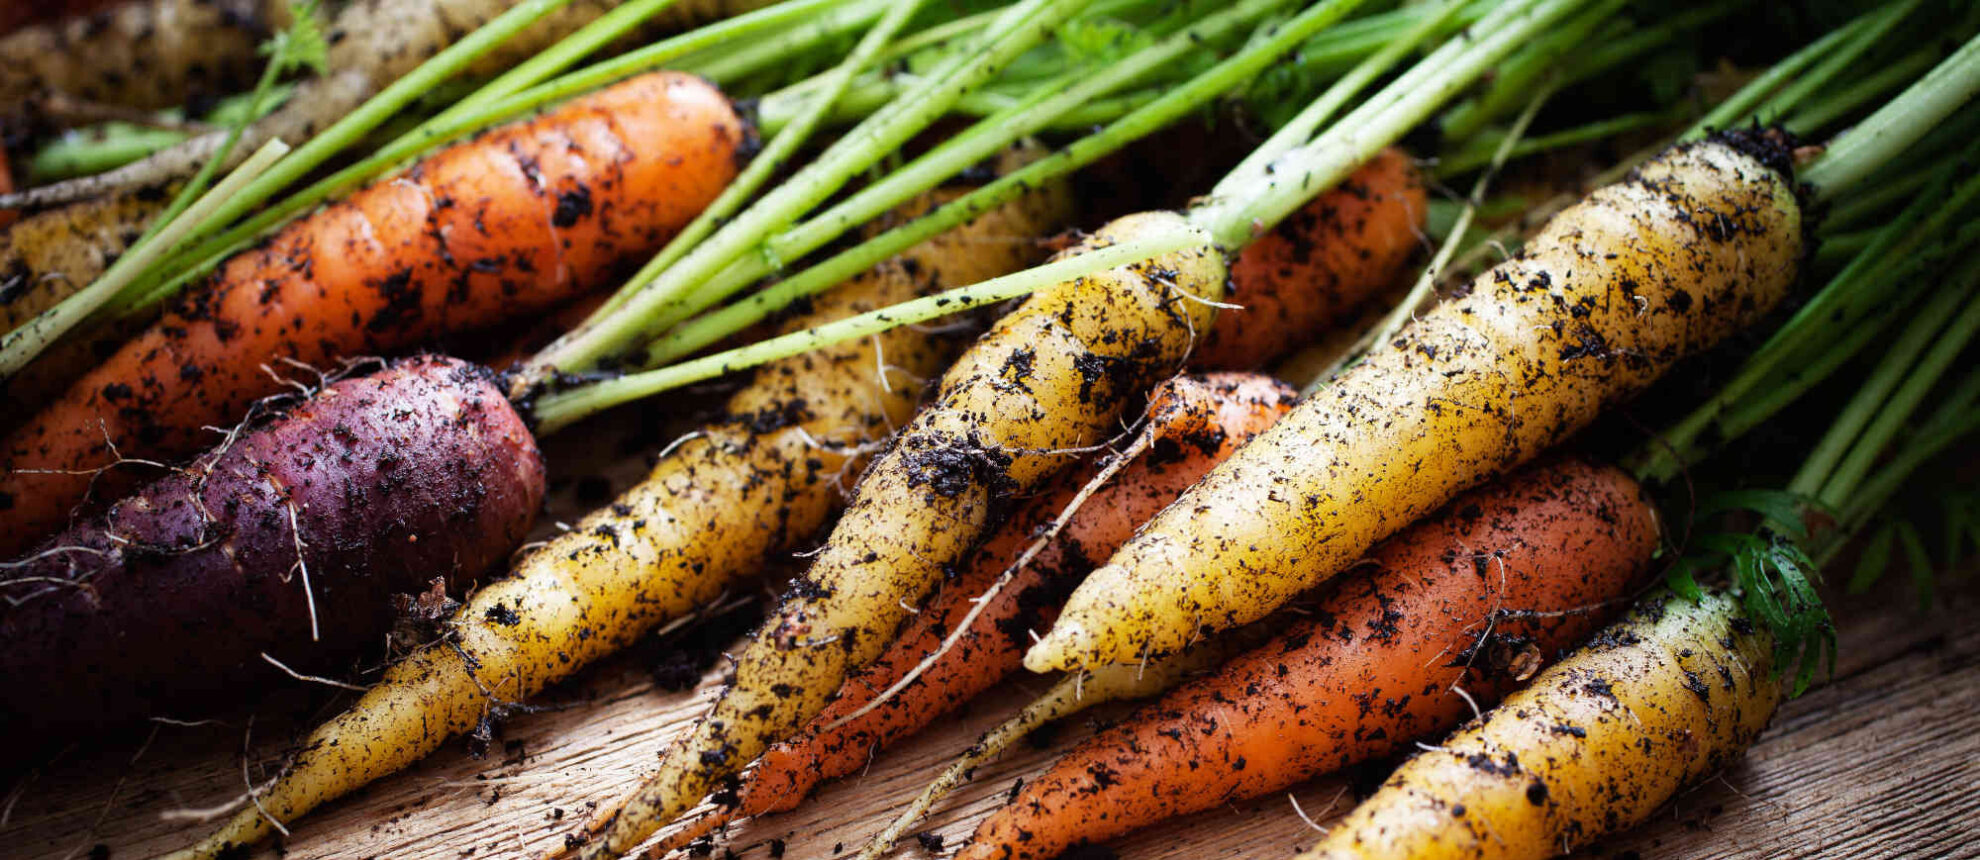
[(1781, 509), (1775, 580), (301, 45)]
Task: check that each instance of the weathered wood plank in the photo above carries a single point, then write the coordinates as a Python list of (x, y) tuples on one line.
[(1884, 762)]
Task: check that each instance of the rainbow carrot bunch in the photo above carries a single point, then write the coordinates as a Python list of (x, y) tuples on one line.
[(945, 564)]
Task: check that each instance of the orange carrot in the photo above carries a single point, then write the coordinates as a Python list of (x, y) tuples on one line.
[(491, 229), (1473, 599), (1319, 264)]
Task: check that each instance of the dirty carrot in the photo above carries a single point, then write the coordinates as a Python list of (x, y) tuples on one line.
[(142, 54), (286, 540), (48, 256), (377, 44), (502, 226), (1288, 284), (1073, 694), (1453, 611)]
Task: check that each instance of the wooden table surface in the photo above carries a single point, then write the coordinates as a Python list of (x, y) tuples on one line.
[(1882, 762)]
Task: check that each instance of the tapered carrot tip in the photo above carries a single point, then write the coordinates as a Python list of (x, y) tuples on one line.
[(1055, 652)]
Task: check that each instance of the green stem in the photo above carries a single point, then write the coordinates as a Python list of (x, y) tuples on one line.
[(985, 138), (732, 61), (1842, 100), (780, 149), (1480, 150), (1513, 82), (1241, 207), (694, 335), (1888, 132), (558, 57), (1842, 436), (1954, 419), (1740, 106), (22, 344), (1873, 201), (601, 336), (1308, 121), (560, 409), (1832, 66), (1881, 432), (94, 150), (1839, 249)]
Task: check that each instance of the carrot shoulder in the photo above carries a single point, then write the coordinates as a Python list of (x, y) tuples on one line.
[(502, 226), (1465, 603)]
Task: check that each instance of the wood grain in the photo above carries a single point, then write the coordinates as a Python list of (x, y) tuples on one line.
[(1884, 761)]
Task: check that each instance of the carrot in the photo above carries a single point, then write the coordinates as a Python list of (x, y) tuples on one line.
[(1596, 744), (1458, 608), (286, 540), (1197, 420), (1316, 266), (715, 507), (1049, 379), (1696, 244), (491, 229)]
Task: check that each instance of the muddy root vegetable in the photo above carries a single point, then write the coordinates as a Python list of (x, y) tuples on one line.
[(1698, 243), (1049, 379), (288, 539), (491, 229), (1467, 603), (712, 511), (1669, 695)]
